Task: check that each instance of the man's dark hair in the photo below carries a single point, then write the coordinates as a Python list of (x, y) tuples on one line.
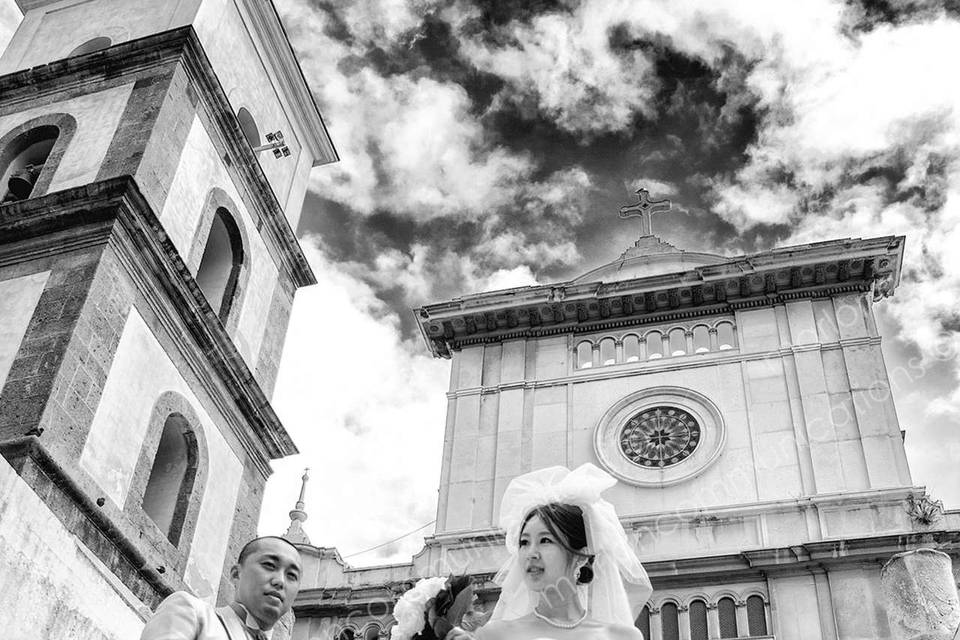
[(251, 546)]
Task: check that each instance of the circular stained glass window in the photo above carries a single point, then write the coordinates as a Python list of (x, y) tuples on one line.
[(659, 437)]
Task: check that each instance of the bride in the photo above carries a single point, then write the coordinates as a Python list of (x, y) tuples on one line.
[(568, 558)]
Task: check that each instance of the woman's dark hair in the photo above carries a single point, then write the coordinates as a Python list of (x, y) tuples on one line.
[(565, 522)]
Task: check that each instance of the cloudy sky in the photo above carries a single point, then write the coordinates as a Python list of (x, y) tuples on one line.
[(490, 144)]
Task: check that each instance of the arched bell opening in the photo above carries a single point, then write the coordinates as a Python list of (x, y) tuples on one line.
[(22, 162), (94, 44), (222, 261), (172, 477), (249, 127)]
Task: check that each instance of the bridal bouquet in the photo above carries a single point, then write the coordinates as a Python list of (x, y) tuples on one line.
[(433, 607)]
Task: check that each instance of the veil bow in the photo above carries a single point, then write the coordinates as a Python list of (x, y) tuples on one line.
[(604, 598)]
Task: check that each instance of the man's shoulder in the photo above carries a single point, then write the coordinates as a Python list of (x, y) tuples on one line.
[(181, 615), (184, 599)]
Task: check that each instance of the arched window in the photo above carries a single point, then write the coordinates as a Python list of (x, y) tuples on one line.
[(654, 345), (221, 263), (727, 611), (698, 620), (678, 342), (95, 44), (701, 339), (756, 617), (23, 160), (172, 476), (669, 622), (608, 351), (725, 336), (346, 634), (584, 355), (372, 633), (631, 348), (249, 127), (643, 622)]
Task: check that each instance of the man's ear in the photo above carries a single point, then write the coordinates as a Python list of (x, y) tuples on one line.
[(235, 572)]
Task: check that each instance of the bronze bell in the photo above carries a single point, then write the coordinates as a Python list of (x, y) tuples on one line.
[(21, 183)]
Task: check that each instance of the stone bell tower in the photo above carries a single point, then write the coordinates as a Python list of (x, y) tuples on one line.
[(154, 156)]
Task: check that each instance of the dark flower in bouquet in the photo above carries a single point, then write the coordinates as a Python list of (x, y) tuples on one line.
[(434, 607)]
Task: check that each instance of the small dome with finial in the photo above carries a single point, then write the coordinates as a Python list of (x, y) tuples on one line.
[(649, 256)]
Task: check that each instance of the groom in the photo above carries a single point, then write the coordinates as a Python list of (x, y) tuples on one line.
[(266, 579)]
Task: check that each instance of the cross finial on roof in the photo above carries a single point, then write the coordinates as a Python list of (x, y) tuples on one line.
[(645, 209)]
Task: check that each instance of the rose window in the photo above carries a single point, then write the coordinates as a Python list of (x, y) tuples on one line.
[(659, 437)]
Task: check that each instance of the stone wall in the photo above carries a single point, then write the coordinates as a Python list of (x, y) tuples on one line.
[(806, 388), (141, 371), (236, 52), (33, 392), (41, 566), (187, 214), (149, 123)]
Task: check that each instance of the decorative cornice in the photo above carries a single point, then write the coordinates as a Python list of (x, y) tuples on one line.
[(773, 277), (177, 46), (115, 209), (752, 565)]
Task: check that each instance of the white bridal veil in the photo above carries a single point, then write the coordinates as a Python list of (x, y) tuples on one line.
[(604, 598)]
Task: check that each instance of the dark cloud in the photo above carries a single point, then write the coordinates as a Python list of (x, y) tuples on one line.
[(497, 13), (703, 120), (866, 15)]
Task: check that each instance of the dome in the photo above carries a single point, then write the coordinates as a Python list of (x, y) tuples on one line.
[(650, 256)]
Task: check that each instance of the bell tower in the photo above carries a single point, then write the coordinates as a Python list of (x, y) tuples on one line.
[(154, 157)]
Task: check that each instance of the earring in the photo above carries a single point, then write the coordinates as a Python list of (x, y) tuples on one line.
[(584, 575)]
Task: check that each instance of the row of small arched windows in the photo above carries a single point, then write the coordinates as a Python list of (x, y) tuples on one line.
[(729, 624), (656, 344)]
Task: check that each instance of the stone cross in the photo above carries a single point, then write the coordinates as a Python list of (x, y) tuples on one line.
[(644, 209)]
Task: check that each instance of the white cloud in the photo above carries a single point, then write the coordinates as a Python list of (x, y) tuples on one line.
[(9, 19), (382, 21), (408, 143), (565, 63), (657, 188), (363, 408)]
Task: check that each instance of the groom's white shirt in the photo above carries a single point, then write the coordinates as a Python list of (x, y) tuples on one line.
[(182, 616)]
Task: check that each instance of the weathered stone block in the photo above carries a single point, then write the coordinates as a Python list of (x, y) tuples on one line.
[(921, 595)]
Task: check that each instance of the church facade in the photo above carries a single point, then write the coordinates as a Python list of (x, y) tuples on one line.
[(745, 407), (154, 158)]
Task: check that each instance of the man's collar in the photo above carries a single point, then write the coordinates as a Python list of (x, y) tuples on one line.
[(249, 620)]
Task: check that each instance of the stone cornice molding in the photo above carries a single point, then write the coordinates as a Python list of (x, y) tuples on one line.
[(127, 60), (115, 211), (752, 565), (492, 538), (772, 277)]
